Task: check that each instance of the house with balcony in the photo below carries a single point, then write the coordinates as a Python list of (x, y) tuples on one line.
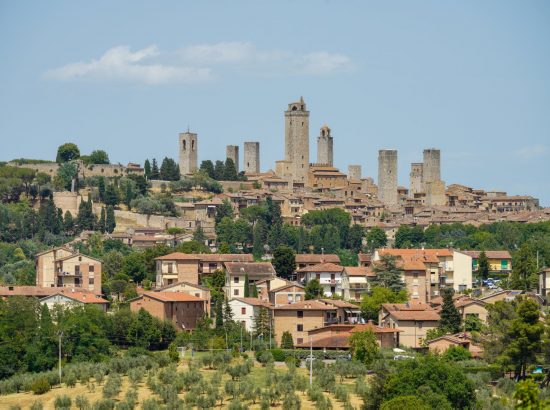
[(304, 260), (237, 272), (355, 282), (62, 268), (329, 276), (500, 262)]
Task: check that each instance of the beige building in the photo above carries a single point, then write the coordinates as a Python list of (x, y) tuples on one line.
[(301, 317), (544, 284), (286, 294), (236, 273), (181, 309), (443, 343), (297, 139), (72, 299), (310, 259), (188, 288), (329, 276), (355, 282), (62, 268), (245, 310)]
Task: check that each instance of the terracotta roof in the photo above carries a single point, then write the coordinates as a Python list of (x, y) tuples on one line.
[(317, 258), (418, 315), (288, 285), (337, 341), (178, 256), (226, 257), (374, 328), (323, 267), (339, 303), (306, 305), (416, 306), (427, 252), (359, 271), (53, 249), (254, 302), (468, 301), (490, 254), (364, 257), (180, 283), (172, 297), (252, 269), (74, 255), (80, 297), (37, 291)]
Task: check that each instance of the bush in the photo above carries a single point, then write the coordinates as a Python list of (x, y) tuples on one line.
[(41, 385), (82, 402), (292, 402), (278, 355), (62, 402), (70, 379), (37, 405), (457, 354), (405, 403), (265, 358), (104, 404)]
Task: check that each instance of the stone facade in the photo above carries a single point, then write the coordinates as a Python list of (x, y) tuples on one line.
[(387, 176), (297, 139), (354, 172), (252, 157), (188, 149), (432, 165), (232, 152), (325, 146), (415, 187)]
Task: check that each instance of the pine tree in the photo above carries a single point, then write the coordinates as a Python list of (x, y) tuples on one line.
[(483, 266), (147, 169), (42, 352), (230, 172), (110, 220), (227, 313), (102, 221), (86, 218), (254, 291), (155, 174), (450, 316), (387, 274), (129, 195), (208, 168), (246, 286), (219, 170)]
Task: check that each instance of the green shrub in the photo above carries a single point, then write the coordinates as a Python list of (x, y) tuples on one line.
[(41, 385), (291, 402), (104, 404), (37, 405), (62, 402), (265, 358), (82, 402), (70, 379), (278, 355)]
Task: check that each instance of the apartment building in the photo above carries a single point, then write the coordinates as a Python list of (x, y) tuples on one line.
[(304, 260), (329, 276), (245, 310), (62, 268), (355, 282), (236, 273)]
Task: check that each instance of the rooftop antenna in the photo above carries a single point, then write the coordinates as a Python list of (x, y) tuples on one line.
[(188, 128)]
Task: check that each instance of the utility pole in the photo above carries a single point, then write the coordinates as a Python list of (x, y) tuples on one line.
[(310, 361), (60, 336)]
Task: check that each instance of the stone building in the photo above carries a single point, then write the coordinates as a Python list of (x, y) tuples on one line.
[(387, 176), (297, 139), (232, 152), (325, 146), (432, 165), (188, 148), (252, 157), (354, 172), (415, 187)]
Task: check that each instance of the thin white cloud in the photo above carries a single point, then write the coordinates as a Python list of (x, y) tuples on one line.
[(198, 63), (532, 151), (120, 64)]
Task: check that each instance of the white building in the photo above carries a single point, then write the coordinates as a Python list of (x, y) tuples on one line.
[(246, 309), (236, 273), (329, 276), (355, 282)]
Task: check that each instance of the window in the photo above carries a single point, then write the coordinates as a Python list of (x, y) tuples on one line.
[(236, 279), (420, 325), (91, 281), (300, 313), (235, 292), (91, 268), (77, 270), (298, 298), (299, 340), (503, 264), (77, 281), (300, 328), (243, 311), (170, 268), (290, 297), (198, 295), (415, 275)]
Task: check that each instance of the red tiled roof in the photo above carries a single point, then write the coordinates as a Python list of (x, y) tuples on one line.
[(254, 302), (306, 305), (392, 307), (359, 271), (364, 257), (81, 297), (418, 315), (172, 297), (178, 256), (490, 254), (316, 258), (339, 303), (323, 267), (427, 252), (37, 291), (288, 285), (251, 268)]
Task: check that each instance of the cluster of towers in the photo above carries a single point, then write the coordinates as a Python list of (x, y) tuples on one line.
[(425, 178)]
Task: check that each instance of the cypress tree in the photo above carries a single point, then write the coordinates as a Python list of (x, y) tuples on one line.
[(450, 317), (111, 195), (147, 169), (68, 223), (101, 189), (483, 266), (102, 222), (254, 291), (259, 236), (230, 172), (128, 195), (246, 286), (110, 221), (218, 310)]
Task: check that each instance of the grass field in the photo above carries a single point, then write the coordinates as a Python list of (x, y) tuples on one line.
[(94, 391)]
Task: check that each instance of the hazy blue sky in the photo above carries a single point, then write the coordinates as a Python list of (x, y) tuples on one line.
[(471, 78)]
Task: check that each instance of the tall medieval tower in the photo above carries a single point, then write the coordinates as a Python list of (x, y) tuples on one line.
[(387, 176), (297, 139), (188, 149), (325, 146)]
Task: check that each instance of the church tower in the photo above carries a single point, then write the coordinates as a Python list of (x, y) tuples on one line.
[(188, 149), (297, 139), (325, 146)]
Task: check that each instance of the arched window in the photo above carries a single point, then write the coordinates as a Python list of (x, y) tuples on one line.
[(184, 147), (193, 145)]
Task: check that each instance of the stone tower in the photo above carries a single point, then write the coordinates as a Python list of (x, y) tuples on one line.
[(252, 157), (416, 179), (354, 172), (188, 148), (387, 176), (432, 165), (232, 152), (325, 146), (297, 139)]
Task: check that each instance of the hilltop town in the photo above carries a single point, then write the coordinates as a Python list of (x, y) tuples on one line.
[(245, 268)]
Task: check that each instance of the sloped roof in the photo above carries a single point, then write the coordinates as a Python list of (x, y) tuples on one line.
[(323, 267), (359, 271), (254, 302), (80, 297), (317, 258), (288, 285), (364, 257), (37, 291), (172, 297), (74, 255), (178, 256), (490, 254), (408, 306), (339, 303), (172, 285), (306, 305), (418, 315), (251, 268), (426, 252)]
